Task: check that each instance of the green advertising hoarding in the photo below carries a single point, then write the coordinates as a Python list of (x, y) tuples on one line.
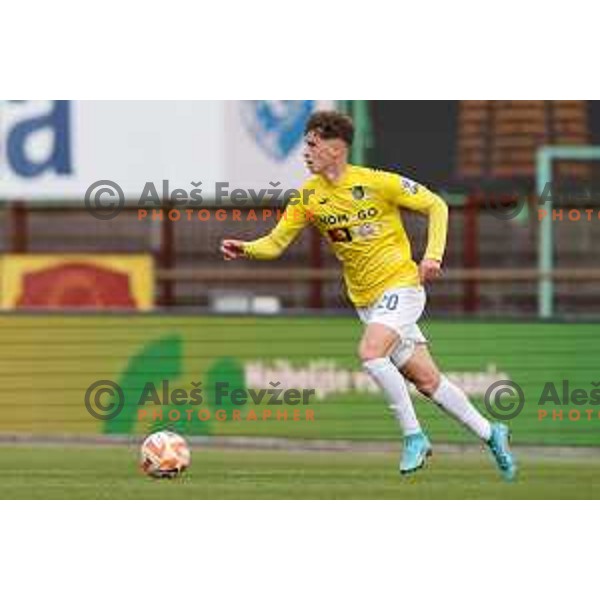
[(183, 373)]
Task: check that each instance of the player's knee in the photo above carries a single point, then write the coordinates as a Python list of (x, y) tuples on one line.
[(427, 382), (368, 350)]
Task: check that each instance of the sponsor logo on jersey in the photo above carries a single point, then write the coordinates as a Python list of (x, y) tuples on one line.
[(361, 215), (367, 230), (341, 234)]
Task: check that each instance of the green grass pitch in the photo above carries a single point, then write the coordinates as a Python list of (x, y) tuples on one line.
[(88, 472)]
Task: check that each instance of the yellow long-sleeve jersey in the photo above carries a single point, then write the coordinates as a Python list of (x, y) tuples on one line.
[(359, 217)]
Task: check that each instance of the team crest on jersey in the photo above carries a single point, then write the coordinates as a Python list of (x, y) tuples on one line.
[(358, 192), (409, 185)]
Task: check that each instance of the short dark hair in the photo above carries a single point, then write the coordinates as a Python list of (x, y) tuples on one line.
[(330, 125)]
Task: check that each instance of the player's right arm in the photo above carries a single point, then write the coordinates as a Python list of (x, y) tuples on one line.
[(294, 219)]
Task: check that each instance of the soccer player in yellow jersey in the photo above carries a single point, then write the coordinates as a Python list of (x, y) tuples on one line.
[(357, 210)]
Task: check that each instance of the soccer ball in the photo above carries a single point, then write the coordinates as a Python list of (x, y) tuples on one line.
[(164, 454)]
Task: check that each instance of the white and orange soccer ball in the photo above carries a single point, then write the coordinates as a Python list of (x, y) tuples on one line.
[(164, 454)]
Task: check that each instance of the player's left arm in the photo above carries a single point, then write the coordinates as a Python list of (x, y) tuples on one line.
[(404, 193)]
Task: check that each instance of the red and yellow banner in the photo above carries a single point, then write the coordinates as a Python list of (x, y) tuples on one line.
[(63, 281)]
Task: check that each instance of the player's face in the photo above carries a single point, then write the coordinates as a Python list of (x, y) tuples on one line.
[(320, 154)]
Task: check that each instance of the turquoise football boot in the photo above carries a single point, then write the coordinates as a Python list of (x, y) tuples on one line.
[(498, 445), (416, 449)]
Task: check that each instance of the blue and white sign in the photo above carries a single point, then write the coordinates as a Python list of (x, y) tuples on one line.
[(277, 126), (264, 141), (54, 150), (37, 140)]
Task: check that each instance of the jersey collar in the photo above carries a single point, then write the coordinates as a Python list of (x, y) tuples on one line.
[(343, 180)]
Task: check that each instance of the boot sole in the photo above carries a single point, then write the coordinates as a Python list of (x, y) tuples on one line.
[(428, 454)]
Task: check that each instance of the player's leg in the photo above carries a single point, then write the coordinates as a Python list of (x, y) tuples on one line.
[(421, 369), (374, 351), (424, 373), (380, 338)]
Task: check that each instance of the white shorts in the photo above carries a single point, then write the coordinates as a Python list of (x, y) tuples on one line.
[(399, 309)]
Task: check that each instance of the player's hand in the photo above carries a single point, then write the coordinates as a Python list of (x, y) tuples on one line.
[(232, 249), (429, 270)]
